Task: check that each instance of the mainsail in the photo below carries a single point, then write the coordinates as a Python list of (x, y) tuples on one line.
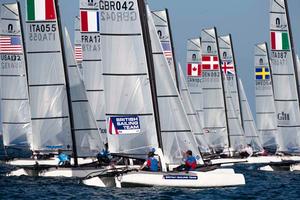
[(215, 119), (266, 119), (236, 132), (162, 24), (176, 132), (15, 108), (91, 64), (193, 59), (47, 85), (251, 134), (87, 134), (127, 84), (285, 86), (193, 117)]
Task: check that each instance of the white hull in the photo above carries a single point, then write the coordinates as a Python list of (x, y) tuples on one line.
[(191, 179), (295, 167), (255, 160), (52, 161), (79, 172), (283, 166)]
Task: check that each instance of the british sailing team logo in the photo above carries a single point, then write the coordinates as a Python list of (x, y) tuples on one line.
[(123, 125)]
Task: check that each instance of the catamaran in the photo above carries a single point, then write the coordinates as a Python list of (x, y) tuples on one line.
[(148, 98), (60, 112), (286, 96)]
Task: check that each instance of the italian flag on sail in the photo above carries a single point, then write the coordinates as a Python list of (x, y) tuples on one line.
[(280, 41), (40, 10)]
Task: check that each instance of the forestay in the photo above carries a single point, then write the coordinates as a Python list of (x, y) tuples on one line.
[(251, 134), (15, 108), (191, 113), (176, 132), (283, 71), (87, 134), (194, 73), (162, 25), (47, 85), (215, 119), (266, 119), (128, 93), (91, 64)]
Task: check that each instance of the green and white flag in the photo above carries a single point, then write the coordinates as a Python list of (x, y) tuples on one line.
[(280, 41), (40, 10)]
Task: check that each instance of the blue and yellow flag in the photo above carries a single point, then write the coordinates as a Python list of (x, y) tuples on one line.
[(262, 73)]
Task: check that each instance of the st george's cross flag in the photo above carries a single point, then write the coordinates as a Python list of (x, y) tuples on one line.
[(40, 10), (279, 40), (194, 69), (90, 21), (210, 63)]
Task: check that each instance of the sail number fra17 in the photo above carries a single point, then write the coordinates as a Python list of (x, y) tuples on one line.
[(117, 11)]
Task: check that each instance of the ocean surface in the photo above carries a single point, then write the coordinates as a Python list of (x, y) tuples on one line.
[(260, 185)]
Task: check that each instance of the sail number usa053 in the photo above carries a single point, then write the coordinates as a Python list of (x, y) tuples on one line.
[(42, 32), (117, 11)]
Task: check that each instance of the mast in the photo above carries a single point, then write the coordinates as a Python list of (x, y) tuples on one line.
[(74, 148), (223, 89), (173, 50), (292, 48), (237, 83), (150, 63)]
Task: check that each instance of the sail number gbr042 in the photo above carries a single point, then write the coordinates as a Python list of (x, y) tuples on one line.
[(117, 11)]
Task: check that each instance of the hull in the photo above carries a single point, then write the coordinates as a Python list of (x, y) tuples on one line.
[(285, 165), (256, 160), (191, 179), (50, 161)]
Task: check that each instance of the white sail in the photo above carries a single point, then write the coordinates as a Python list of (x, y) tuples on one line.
[(215, 119), (15, 108), (87, 134), (251, 134), (175, 130), (236, 132), (162, 24), (47, 86), (193, 59), (266, 116), (91, 64), (229, 69), (128, 93), (192, 114), (285, 86)]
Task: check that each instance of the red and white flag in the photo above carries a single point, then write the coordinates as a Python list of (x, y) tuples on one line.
[(194, 69), (210, 63), (78, 53)]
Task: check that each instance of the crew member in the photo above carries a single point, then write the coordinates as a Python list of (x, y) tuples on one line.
[(151, 164)]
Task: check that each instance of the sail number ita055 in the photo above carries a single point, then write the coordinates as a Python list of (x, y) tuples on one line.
[(118, 11)]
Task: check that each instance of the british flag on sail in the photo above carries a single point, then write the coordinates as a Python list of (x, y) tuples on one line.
[(78, 53), (111, 127), (167, 49), (10, 44), (228, 67)]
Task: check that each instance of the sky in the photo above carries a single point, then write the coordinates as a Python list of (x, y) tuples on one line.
[(246, 20)]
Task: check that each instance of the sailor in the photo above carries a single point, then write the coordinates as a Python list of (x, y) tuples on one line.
[(246, 152), (190, 161), (64, 159), (151, 164), (263, 152), (104, 156)]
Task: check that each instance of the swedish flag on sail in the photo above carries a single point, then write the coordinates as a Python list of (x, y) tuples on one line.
[(262, 73)]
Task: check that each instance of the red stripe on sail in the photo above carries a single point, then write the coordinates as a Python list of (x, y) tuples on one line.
[(50, 12), (189, 70), (273, 40), (84, 20)]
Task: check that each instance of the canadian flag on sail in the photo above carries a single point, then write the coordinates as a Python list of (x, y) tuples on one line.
[(194, 69)]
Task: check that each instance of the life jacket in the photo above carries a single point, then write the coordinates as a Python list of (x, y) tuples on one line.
[(191, 163), (152, 163)]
